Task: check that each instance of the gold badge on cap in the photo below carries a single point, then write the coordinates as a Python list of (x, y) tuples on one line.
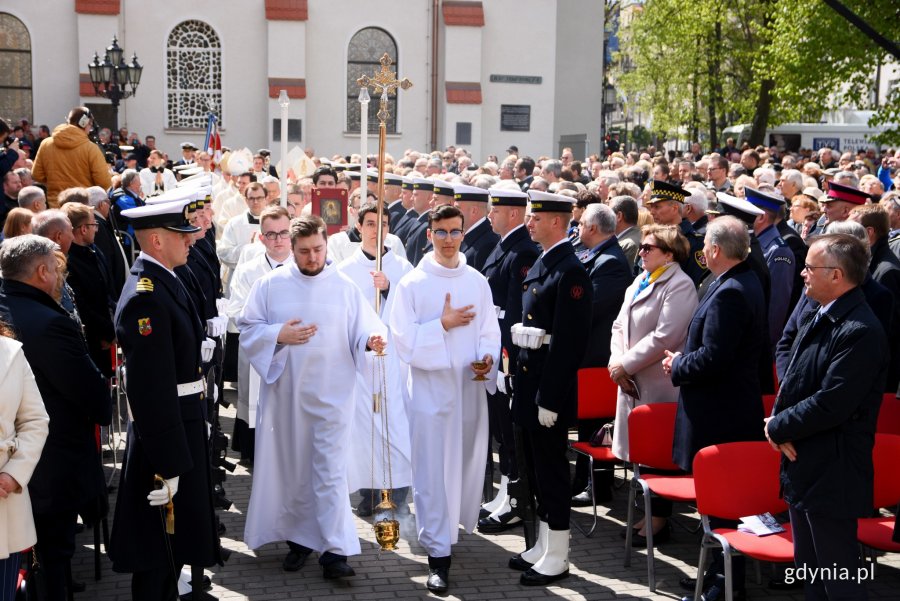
[(144, 327)]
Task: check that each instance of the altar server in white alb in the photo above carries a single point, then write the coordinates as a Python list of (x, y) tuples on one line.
[(306, 328), (443, 320), (342, 244), (369, 476), (275, 243)]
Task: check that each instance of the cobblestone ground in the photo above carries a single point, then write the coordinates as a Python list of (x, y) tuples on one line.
[(479, 563)]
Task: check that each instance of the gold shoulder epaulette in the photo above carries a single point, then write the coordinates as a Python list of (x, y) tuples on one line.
[(144, 285)]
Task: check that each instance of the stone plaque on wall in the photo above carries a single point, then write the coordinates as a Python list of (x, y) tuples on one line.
[(515, 117)]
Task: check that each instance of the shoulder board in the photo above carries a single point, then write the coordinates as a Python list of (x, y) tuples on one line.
[(144, 285)]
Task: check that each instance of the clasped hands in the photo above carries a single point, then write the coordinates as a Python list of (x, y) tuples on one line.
[(667, 362), (786, 447)]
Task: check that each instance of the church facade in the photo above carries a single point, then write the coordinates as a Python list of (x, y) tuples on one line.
[(486, 75)]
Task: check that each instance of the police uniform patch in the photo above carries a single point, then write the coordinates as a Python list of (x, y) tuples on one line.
[(144, 327), (700, 258), (144, 285), (577, 292)]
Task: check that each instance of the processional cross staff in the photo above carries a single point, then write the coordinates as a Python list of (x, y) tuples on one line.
[(384, 83)]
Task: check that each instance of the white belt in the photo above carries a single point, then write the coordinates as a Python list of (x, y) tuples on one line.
[(190, 388), (529, 337), (543, 341)]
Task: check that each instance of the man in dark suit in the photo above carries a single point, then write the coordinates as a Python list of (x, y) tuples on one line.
[(610, 275), (167, 455), (479, 240), (68, 478), (718, 372), (505, 269), (885, 269), (556, 319), (824, 418), (525, 172)]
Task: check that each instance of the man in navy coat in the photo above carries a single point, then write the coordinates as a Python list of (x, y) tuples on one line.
[(718, 372), (825, 414), (480, 239), (167, 454), (505, 269), (553, 338), (610, 275)]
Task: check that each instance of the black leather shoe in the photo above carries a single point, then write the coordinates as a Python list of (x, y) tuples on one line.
[(532, 578), (337, 569), (517, 563), (438, 580), (660, 537), (294, 560), (492, 525), (483, 513), (716, 592), (582, 499)]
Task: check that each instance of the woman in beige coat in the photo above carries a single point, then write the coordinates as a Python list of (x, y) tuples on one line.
[(654, 317), (24, 426)]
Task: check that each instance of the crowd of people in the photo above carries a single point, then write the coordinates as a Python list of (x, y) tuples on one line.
[(687, 275)]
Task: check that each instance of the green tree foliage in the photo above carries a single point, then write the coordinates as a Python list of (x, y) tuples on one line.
[(699, 65)]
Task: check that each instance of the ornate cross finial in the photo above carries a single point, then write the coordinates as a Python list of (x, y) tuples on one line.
[(384, 82)]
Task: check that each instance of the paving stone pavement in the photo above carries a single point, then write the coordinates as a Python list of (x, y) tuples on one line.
[(479, 563)]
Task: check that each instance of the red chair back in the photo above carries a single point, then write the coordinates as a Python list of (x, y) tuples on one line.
[(596, 393), (886, 457), (768, 402), (889, 415), (651, 429), (738, 479)]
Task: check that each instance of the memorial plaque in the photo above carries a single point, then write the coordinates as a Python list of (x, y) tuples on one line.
[(463, 133), (532, 79), (515, 117)]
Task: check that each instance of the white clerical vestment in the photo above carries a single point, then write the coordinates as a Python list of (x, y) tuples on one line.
[(448, 419), (368, 470), (245, 275), (306, 406), (239, 232), (340, 246)]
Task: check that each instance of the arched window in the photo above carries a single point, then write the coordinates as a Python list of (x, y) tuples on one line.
[(15, 69), (366, 48), (193, 76)]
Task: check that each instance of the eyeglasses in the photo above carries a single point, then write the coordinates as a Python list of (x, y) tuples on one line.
[(283, 234), (256, 198), (442, 234), (90, 225), (645, 248), (809, 267)]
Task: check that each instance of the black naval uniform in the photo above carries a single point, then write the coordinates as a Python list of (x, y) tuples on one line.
[(478, 243), (417, 237), (557, 298), (505, 269), (160, 333)]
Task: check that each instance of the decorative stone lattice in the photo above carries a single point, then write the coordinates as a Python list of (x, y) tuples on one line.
[(15, 69), (193, 76), (363, 56)]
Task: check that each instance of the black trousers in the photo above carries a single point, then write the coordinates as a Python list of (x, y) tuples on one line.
[(830, 543), (55, 548), (156, 585), (548, 466), (501, 426)]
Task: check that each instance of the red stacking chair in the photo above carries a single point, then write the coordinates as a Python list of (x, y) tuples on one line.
[(597, 395), (768, 402), (889, 415), (877, 533), (651, 429), (735, 480)]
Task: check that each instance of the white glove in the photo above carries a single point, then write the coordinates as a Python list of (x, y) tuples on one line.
[(221, 305), (206, 349), (546, 418), (162, 496), (501, 382), (216, 326)]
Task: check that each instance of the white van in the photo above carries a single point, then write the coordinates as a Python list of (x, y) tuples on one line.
[(843, 137)]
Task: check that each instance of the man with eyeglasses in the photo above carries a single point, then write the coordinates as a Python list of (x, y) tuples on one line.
[(274, 224), (442, 322), (717, 172), (242, 229)]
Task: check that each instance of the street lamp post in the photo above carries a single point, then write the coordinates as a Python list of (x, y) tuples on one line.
[(111, 77)]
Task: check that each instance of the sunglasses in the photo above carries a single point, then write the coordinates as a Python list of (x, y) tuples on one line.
[(645, 248)]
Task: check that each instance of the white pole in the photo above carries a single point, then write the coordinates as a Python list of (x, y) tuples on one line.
[(363, 144), (285, 102)]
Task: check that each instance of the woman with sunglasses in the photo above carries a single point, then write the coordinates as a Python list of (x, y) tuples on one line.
[(655, 316)]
